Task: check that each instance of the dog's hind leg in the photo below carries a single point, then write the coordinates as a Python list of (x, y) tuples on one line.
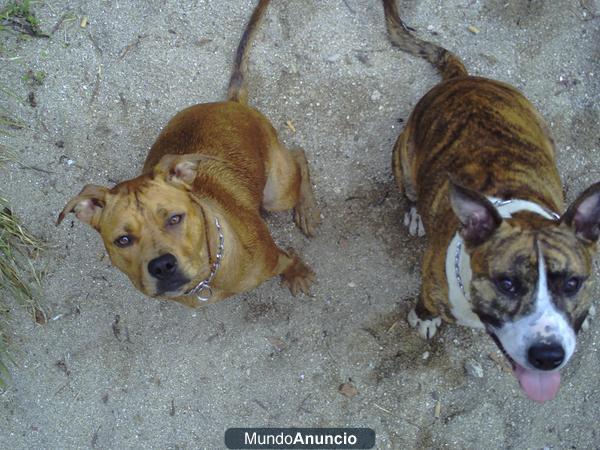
[(402, 174), (288, 186), (307, 215)]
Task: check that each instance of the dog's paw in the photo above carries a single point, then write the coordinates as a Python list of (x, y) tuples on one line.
[(298, 276), (412, 220), (307, 215), (586, 323), (426, 327)]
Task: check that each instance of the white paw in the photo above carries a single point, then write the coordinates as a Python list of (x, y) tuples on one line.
[(413, 221), (426, 328), (586, 323)]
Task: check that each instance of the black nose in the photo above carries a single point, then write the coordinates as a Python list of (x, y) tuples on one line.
[(163, 267), (546, 356)]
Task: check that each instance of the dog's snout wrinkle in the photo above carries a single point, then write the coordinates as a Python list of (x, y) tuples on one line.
[(163, 267)]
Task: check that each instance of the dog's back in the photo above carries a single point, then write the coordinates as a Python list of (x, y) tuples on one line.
[(486, 134), (480, 131), (231, 130)]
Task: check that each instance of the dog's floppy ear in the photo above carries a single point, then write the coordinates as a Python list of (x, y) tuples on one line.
[(584, 214), (87, 205), (180, 169), (477, 215)]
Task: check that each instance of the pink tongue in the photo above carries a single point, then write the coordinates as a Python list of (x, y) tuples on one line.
[(538, 385)]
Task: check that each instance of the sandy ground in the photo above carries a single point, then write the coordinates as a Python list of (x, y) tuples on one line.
[(117, 370)]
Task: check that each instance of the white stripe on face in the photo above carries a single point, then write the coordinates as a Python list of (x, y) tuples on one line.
[(545, 324)]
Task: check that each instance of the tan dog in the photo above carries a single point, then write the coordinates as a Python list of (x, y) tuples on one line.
[(189, 227), (477, 160)]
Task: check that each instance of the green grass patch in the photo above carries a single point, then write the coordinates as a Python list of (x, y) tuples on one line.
[(18, 276), (33, 79), (18, 15), (19, 248)]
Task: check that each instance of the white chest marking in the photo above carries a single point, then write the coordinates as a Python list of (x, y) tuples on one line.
[(458, 262), (460, 304)]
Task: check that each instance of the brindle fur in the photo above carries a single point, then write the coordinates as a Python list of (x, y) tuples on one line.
[(513, 249), (211, 160), (449, 65), (487, 136)]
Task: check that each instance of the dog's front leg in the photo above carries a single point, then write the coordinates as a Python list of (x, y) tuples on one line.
[(425, 316), (424, 321)]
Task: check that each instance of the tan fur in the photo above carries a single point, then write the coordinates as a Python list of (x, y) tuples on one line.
[(217, 160)]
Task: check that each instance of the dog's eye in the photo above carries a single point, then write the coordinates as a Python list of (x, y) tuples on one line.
[(572, 286), (175, 219), (507, 285), (124, 241)]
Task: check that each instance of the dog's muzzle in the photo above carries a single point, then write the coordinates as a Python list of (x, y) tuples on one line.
[(538, 369), (165, 270), (163, 267)]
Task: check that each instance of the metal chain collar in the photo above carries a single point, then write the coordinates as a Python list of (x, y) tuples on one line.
[(203, 290), (457, 267)]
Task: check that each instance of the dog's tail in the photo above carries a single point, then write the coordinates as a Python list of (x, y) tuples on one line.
[(237, 89), (448, 64)]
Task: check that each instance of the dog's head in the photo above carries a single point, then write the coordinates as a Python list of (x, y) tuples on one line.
[(530, 282), (153, 228)]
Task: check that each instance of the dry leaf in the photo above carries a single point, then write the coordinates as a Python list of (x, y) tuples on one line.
[(40, 317), (348, 389)]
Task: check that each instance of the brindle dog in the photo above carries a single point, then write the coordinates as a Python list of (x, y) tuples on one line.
[(189, 227), (477, 161)]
